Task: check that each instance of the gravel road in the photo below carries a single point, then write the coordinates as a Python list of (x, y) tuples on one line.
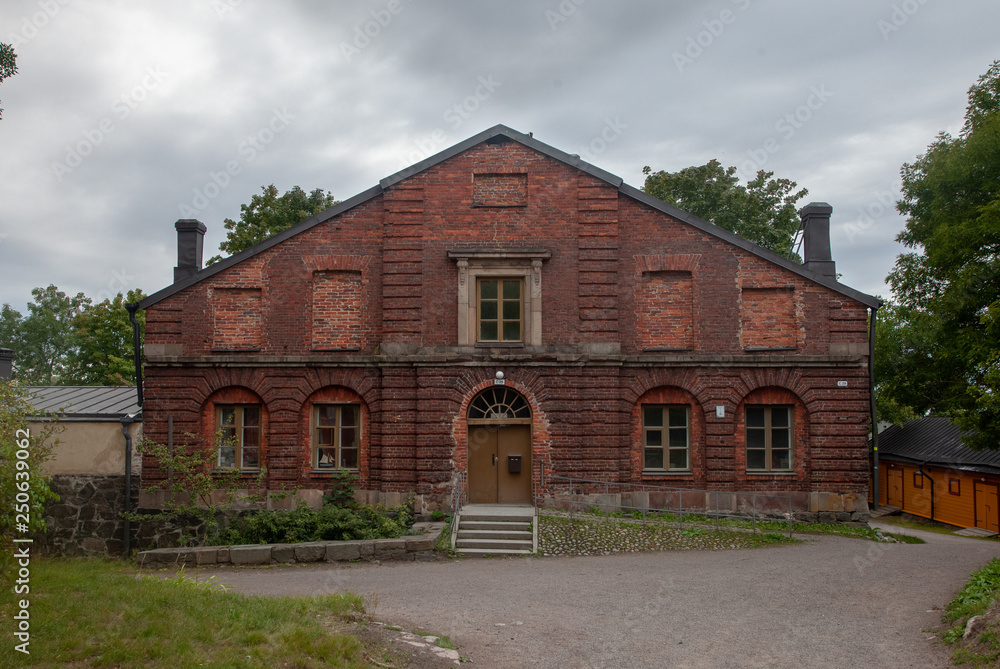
[(829, 602)]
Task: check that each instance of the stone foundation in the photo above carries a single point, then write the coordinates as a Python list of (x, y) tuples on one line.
[(87, 517), (815, 507)]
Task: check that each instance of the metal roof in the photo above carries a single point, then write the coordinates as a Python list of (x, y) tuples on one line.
[(935, 440), (96, 403), (527, 140)]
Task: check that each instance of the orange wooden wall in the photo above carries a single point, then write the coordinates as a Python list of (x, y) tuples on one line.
[(955, 509)]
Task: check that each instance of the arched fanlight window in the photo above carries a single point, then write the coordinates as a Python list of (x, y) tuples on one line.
[(499, 403)]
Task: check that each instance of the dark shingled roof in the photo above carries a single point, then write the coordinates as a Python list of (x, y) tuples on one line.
[(505, 133), (934, 440), (94, 403)]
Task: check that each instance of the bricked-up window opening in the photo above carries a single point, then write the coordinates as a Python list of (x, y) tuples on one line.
[(336, 435), (499, 404), (665, 438), (501, 310), (769, 438), (238, 426), (500, 190)]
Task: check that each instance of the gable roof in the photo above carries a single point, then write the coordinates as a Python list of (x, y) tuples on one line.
[(935, 440), (573, 160), (83, 403)]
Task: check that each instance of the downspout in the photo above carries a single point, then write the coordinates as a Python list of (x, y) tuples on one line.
[(127, 433), (871, 395), (132, 307), (924, 474)]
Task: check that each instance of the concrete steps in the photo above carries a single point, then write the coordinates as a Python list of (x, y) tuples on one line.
[(495, 529)]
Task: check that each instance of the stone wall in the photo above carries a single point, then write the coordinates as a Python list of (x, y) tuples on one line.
[(87, 517)]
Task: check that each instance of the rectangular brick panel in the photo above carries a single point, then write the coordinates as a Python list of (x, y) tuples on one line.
[(767, 318), (236, 313), (665, 305), (337, 309)]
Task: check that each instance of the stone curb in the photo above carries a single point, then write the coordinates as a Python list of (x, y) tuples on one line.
[(408, 548)]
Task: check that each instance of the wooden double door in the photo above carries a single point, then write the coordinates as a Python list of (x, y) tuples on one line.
[(500, 463)]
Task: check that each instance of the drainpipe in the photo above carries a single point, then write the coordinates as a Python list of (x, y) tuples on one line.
[(126, 431), (871, 395), (132, 307), (924, 474)]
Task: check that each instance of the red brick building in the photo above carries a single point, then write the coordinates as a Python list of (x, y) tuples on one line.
[(636, 342)]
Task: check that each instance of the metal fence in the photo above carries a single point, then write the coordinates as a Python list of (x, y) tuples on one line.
[(645, 501)]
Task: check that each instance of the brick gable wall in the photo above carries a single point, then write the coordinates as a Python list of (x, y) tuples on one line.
[(633, 303)]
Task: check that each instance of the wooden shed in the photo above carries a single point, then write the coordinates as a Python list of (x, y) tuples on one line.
[(927, 471)]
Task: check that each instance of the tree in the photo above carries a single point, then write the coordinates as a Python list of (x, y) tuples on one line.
[(948, 288), (68, 341), (268, 214), (104, 333), (8, 64), (24, 488), (763, 211), (46, 337)]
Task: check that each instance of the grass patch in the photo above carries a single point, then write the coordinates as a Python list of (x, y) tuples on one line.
[(910, 524), (979, 597), (441, 640), (701, 521), (90, 613), (979, 592), (904, 538), (583, 535)]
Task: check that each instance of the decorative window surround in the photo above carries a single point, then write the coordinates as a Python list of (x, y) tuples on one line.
[(474, 264)]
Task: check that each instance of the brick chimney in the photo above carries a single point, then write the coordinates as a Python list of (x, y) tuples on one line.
[(816, 239), (6, 362), (190, 240)]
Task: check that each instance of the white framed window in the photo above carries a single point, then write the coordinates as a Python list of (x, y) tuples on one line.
[(238, 427), (336, 436), (666, 438)]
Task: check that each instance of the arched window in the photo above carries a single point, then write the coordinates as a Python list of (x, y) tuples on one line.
[(499, 403)]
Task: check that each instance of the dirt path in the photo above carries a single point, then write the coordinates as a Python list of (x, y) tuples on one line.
[(830, 602)]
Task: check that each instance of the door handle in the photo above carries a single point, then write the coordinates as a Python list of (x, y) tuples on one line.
[(494, 459)]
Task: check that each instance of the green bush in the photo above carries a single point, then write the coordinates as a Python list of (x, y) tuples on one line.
[(329, 523)]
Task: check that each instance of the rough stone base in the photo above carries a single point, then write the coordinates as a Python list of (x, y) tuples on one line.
[(87, 517), (814, 507)]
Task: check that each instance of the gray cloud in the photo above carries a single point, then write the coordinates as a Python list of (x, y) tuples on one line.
[(366, 88)]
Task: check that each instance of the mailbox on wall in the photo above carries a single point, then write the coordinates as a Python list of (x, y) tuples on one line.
[(513, 464)]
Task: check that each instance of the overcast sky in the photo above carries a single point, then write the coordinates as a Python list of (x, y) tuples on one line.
[(125, 116)]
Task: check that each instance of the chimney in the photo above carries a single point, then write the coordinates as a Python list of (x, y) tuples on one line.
[(6, 362), (190, 240), (816, 239)]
